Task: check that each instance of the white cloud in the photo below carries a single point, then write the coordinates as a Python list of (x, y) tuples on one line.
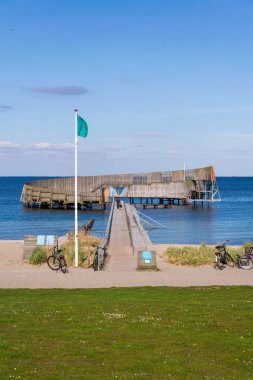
[(116, 150), (35, 148), (49, 146), (8, 145)]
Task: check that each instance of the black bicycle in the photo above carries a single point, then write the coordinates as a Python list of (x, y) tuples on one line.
[(57, 261), (223, 258), (99, 262), (246, 261), (95, 261)]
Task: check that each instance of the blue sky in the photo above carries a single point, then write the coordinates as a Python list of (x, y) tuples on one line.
[(159, 83)]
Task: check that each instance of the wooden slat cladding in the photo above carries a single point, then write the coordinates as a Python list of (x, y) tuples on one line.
[(30, 243), (96, 189), (87, 184)]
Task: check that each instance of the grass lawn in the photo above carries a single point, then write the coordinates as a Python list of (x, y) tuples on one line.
[(133, 333)]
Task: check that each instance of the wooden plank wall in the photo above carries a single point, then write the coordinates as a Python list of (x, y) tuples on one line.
[(85, 184), (178, 190), (174, 184), (30, 243)]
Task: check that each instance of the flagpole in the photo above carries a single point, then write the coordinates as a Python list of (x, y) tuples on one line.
[(76, 205)]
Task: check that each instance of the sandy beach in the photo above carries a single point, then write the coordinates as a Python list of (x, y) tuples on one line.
[(14, 273), (11, 252)]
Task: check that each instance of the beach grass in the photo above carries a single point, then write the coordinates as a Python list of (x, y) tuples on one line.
[(196, 255), (87, 246), (133, 333), (39, 256)]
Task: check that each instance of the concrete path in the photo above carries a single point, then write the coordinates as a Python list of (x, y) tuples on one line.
[(26, 276), (15, 274)]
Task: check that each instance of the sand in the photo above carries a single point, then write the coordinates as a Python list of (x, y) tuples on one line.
[(14, 273), (11, 253)]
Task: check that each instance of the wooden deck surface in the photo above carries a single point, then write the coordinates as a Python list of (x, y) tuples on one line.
[(120, 252)]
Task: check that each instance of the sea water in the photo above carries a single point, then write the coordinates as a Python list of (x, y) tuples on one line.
[(231, 219), (16, 220)]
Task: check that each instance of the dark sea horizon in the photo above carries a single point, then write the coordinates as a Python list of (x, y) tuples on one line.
[(231, 219)]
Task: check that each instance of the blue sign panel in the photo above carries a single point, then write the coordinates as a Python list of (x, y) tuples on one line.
[(41, 240), (50, 240), (146, 255), (45, 240)]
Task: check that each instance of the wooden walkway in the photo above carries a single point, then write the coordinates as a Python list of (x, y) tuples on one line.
[(120, 253)]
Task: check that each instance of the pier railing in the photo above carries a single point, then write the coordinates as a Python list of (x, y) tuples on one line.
[(102, 247)]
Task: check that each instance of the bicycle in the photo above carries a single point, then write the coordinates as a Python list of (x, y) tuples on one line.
[(97, 262), (223, 258), (246, 261), (57, 261)]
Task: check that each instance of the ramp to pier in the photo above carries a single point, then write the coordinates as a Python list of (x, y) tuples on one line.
[(126, 239), (120, 252)]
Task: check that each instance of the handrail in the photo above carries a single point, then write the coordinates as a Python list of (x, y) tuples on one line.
[(106, 239), (153, 220)]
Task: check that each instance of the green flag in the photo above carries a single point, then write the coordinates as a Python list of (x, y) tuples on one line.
[(82, 127)]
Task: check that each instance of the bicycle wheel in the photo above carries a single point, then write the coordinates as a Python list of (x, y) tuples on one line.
[(219, 263), (63, 265), (53, 262), (245, 262), (229, 260)]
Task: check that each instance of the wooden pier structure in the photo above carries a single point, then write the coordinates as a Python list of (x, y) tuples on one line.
[(157, 189), (125, 238)]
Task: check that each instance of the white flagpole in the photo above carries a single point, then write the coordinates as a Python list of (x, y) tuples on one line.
[(76, 205)]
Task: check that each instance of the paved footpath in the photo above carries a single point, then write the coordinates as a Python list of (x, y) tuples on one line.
[(15, 274)]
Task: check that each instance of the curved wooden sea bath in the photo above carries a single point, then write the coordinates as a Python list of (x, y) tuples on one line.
[(165, 187)]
